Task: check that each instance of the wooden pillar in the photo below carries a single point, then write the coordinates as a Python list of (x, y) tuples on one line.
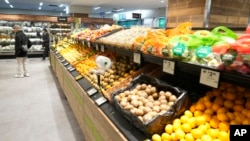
[(208, 13)]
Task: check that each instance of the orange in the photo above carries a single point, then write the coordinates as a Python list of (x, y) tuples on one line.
[(208, 104), (221, 110), (248, 114), (244, 112), (234, 122), (216, 92), (238, 108), (228, 104), (169, 128), (206, 98), (189, 137), (239, 101), (165, 137), (214, 123), (200, 106), (230, 116), (209, 111), (247, 105), (224, 126), (215, 107), (245, 122), (156, 137), (230, 96), (186, 127), (196, 133), (240, 89), (192, 108), (223, 136), (219, 100), (222, 117)]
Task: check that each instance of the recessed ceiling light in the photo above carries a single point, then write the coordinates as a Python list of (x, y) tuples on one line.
[(11, 6), (7, 1), (97, 8), (162, 1), (41, 4), (108, 12), (119, 10), (61, 5), (40, 8)]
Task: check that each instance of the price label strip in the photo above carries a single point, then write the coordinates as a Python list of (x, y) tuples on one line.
[(78, 77), (59, 57), (100, 101), (210, 78), (70, 67), (96, 47), (102, 48), (168, 66), (137, 58), (91, 91)]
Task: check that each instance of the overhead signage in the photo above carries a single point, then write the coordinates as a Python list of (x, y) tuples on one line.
[(136, 15)]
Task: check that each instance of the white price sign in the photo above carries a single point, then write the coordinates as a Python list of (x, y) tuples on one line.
[(137, 58), (88, 44), (210, 78), (100, 101), (168, 66), (96, 47), (91, 91), (102, 48)]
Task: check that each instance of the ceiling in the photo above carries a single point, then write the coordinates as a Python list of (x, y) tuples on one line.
[(105, 5)]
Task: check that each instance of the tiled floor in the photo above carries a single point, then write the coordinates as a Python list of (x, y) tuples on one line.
[(34, 108)]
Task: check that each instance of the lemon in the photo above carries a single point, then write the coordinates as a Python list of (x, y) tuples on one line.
[(179, 134), (169, 128), (156, 137), (186, 127), (165, 137), (189, 137)]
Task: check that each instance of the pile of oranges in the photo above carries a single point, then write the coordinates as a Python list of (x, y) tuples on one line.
[(211, 116)]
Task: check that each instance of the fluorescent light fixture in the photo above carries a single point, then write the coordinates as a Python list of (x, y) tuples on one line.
[(7, 1), (40, 8), (108, 12), (119, 10), (11, 6), (41, 4), (61, 5), (162, 1), (97, 8)]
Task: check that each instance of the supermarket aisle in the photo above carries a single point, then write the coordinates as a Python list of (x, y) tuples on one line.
[(34, 108)]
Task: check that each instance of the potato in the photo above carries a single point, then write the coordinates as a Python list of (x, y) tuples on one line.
[(164, 107), (155, 95), (149, 104), (172, 98), (151, 98), (143, 94), (153, 90), (139, 112), (162, 97), (123, 104), (156, 109), (163, 102), (138, 87), (148, 91), (118, 98), (157, 103), (168, 94), (170, 103), (148, 117), (140, 118), (122, 95), (147, 110), (128, 107), (143, 86), (135, 103), (149, 86)]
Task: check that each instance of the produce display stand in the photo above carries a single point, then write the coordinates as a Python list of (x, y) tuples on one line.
[(98, 121)]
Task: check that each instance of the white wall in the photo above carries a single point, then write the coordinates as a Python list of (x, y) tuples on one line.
[(31, 12)]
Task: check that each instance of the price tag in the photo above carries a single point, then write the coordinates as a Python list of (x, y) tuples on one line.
[(102, 48), (96, 47), (63, 60), (137, 58), (100, 101), (168, 66), (72, 69), (91, 91), (65, 64), (88, 44), (209, 78), (59, 57), (78, 77)]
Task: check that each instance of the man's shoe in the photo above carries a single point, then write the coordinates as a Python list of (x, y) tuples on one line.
[(27, 75), (18, 76)]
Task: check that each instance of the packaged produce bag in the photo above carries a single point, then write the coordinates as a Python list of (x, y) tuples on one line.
[(145, 104)]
